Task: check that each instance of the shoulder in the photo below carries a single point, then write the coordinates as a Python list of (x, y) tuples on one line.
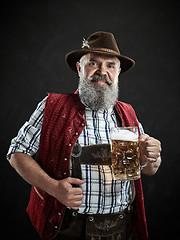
[(55, 97), (127, 113), (59, 102), (124, 105)]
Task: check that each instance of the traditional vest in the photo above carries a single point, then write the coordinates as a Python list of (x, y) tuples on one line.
[(63, 123)]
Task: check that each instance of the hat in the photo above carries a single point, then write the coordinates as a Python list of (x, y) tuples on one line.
[(101, 43)]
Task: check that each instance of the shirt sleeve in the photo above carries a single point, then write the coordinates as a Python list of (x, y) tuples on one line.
[(27, 140), (141, 128)]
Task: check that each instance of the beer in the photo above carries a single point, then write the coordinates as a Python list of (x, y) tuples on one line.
[(125, 153)]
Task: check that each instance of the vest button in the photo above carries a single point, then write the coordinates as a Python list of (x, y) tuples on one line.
[(55, 227), (121, 216), (91, 219), (64, 173), (77, 133), (59, 213), (69, 145), (74, 213), (65, 159), (82, 124)]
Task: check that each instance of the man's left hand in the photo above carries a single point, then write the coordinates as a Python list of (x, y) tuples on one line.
[(150, 150)]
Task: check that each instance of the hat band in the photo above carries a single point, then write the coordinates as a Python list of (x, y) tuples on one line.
[(104, 50)]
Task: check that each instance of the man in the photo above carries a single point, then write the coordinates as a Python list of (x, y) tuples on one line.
[(73, 201)]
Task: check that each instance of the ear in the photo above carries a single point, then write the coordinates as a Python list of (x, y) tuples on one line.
[(119, 70), (78, 67)]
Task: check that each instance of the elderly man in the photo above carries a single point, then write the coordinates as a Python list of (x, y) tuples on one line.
[(77, 201)]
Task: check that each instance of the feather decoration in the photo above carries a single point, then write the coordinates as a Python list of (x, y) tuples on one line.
[(85, 43)]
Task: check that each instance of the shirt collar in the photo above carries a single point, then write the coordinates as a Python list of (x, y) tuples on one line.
[(101, 111)]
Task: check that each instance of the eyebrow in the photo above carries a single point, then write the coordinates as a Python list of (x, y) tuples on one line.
[(110, 62), (93, 60)]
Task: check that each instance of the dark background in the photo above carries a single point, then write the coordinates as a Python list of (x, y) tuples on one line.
[(34, 38)]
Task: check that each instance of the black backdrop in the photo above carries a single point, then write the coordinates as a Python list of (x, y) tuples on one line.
[(34, 38)]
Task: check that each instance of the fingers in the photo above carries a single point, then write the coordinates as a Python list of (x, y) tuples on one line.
[(75, 181), (150, 156), (143, 137), (150, 148), (67, 194), (75, 201)]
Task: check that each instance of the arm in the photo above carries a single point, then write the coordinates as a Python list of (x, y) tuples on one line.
[(20, 152), (62, 190), (150, 149)]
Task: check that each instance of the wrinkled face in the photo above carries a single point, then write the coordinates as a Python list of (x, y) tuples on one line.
[(106, 67), (98, 80)]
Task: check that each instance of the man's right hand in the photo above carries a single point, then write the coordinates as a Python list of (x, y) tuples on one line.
[(68, 195)]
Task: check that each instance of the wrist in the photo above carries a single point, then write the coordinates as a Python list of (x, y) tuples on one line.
[(52, 187)]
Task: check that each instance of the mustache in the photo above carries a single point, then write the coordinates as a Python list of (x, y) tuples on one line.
[(95, 77)]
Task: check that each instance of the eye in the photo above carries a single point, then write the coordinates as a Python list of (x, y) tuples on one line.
[(111, 66), (91, 64)]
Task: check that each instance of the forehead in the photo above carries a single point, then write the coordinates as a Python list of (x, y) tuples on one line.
[(100, 57)]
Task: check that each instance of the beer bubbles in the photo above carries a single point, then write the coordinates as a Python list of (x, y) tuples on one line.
[(125, 153)]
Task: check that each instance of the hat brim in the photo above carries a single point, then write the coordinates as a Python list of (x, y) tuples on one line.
[(73, 57)]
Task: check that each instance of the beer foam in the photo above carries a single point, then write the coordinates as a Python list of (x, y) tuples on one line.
[(124, 135)]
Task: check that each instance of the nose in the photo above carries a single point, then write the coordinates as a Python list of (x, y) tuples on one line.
[(101, 70)]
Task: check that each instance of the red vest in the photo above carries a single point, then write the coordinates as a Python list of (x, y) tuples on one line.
[(62, 125)]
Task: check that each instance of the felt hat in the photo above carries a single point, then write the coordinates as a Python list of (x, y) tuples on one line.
[(101, 43)]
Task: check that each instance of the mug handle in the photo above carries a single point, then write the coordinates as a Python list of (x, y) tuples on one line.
[(146, 163)]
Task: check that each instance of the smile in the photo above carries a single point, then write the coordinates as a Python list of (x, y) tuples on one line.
[(98, 79), (100, 82)]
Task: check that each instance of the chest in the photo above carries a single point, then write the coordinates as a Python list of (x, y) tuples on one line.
[(97, 129)]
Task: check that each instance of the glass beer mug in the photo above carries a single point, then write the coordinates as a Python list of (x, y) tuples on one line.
[(125, 155)]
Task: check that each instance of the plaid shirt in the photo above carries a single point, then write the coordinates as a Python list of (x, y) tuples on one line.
[(102, 194)]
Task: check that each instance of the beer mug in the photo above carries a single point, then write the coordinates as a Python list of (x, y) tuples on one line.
[(125, 155)]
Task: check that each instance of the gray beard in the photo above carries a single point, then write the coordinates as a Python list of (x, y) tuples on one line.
[(97, 97)]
